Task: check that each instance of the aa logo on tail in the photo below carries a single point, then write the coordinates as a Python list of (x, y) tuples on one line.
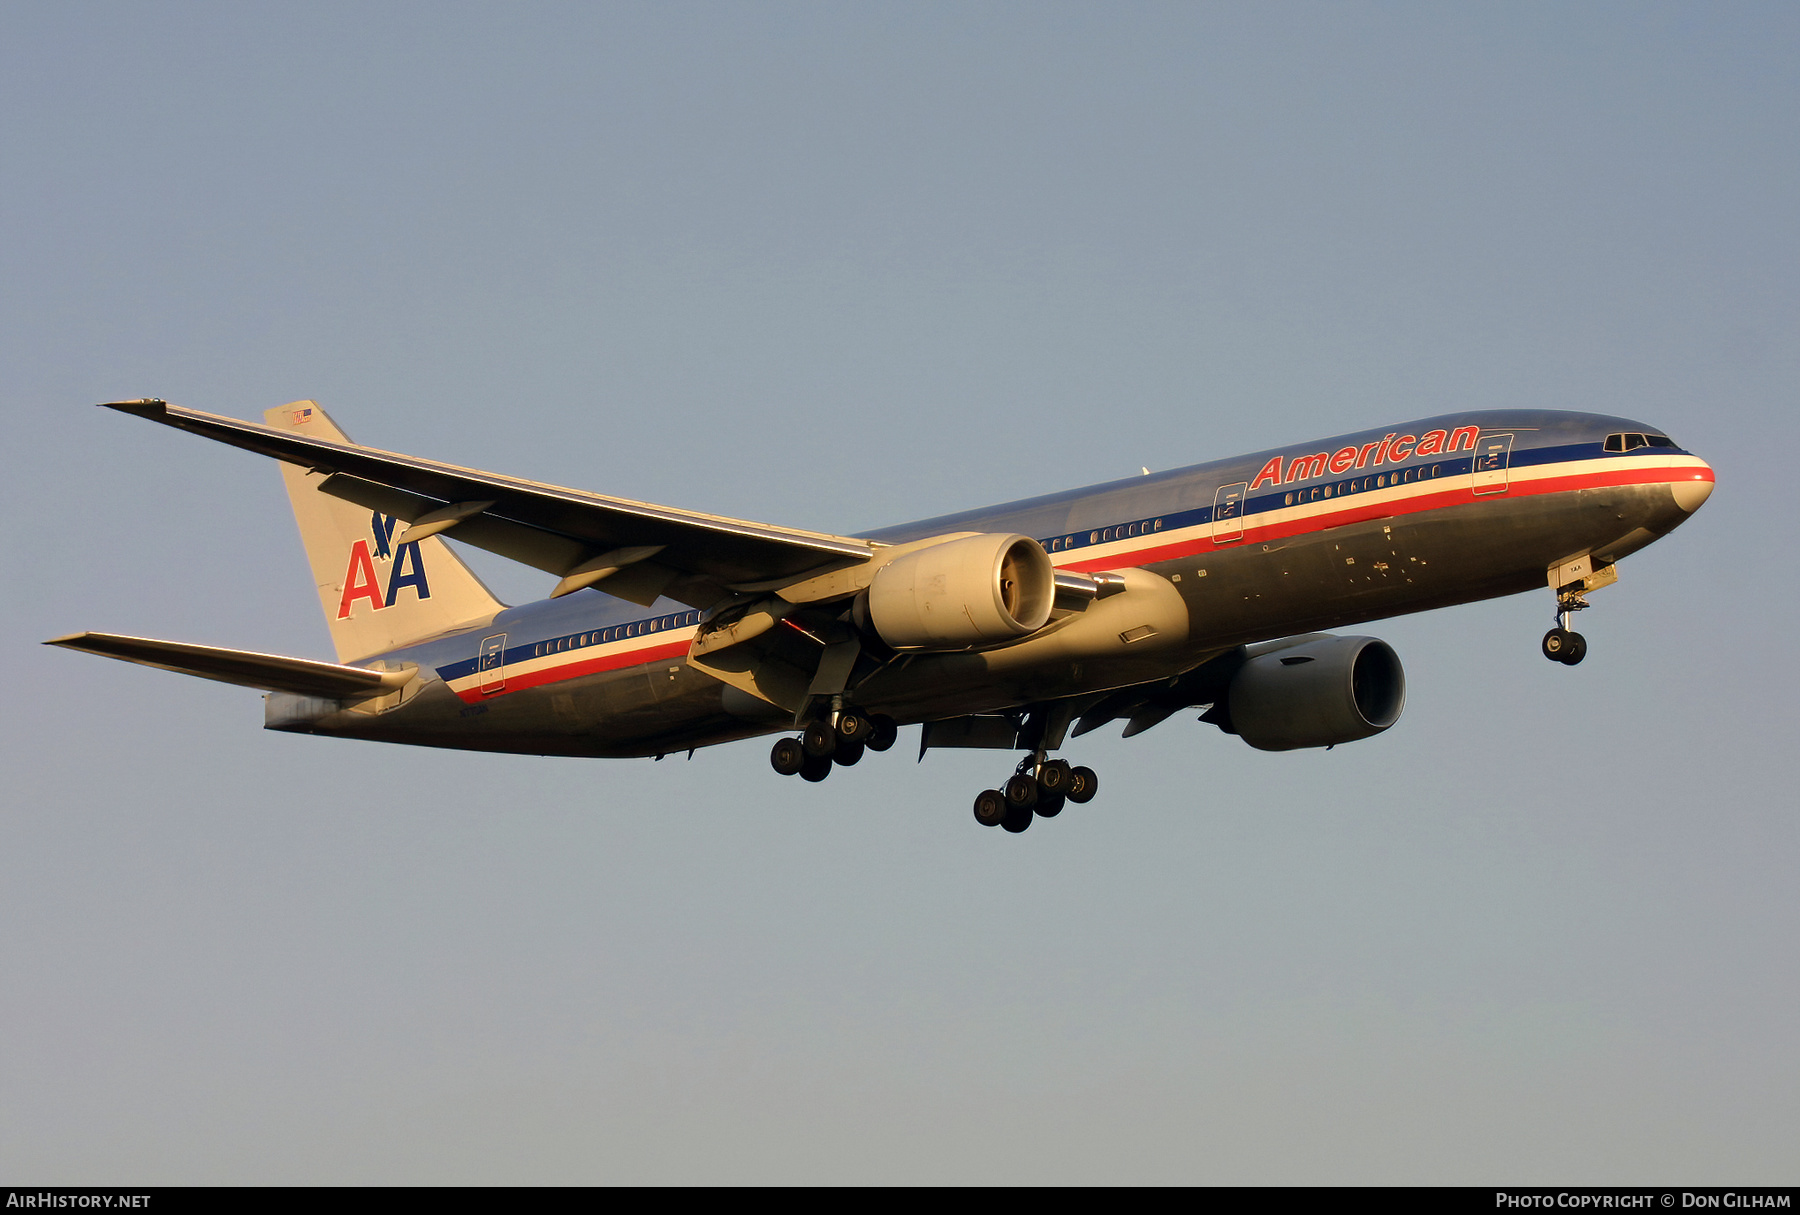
[(405, 568)]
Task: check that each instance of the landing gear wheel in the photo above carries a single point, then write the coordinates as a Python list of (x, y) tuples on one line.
[(853, 727), (882, 732), (819, 740), (1556, 644), (816, 768), (990, 807), (847, 753), (787, 757), (1053, 778), (1017, 818), (1577, 649), (1021, 792), (1049, 805), (1083, 784)]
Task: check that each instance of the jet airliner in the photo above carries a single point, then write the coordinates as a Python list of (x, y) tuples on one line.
[(1015, 627)]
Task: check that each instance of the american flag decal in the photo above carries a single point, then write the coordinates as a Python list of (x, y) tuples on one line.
[(300, 415)]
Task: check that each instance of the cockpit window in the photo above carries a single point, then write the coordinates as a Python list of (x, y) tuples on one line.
[(1630, 442), (1660, 441)]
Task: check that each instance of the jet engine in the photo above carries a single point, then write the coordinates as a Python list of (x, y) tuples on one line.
[(972, 591), (1318, 692)]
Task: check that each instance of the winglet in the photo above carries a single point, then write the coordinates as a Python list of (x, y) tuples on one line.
[(146, 407)]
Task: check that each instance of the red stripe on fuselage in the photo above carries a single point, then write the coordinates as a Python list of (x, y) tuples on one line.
[(1356, 512), (1353, 512), (578, 668)]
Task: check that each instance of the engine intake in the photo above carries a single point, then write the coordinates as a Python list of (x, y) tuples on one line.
[(1317, 692), (971, 591)]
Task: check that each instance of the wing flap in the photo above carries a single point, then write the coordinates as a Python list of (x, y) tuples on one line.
[(246, 668)]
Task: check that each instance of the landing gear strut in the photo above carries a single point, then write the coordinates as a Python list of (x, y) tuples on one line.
[(1573, 581), (1560, 644)]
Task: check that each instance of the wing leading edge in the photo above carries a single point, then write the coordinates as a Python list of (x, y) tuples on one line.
[(651, 550)]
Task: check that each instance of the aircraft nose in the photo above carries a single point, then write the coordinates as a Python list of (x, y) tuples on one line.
[(1691, 492)]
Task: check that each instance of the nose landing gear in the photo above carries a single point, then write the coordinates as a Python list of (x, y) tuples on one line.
[(1560, 643), (1572, 581)]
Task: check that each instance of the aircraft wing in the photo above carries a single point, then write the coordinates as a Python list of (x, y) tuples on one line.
[(246, 668), (575, 534)]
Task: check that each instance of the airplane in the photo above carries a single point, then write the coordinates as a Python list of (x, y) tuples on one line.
[(1014, 627)]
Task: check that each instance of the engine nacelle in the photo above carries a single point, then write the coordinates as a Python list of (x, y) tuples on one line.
[(1319, 692), (972, 591)]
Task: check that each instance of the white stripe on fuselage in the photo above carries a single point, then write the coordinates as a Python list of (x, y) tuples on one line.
[(620, 654), (1394, 495)]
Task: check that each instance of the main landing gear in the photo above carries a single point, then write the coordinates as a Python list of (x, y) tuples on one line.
[(1038, 789), (826, 743)]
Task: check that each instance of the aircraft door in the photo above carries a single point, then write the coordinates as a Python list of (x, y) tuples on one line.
[(1492, 457), (490, 661), (1228, 512)]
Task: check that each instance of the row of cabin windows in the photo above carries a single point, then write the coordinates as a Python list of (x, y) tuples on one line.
[(1125, 531), (1122, 531), (1358, 484), (1143, 527), (636, 628), (1631, 442)]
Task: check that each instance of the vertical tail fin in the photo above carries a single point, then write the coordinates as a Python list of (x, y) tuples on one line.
[(376, 595)]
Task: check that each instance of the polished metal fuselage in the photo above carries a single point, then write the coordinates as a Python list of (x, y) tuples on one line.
[(1204, 571)]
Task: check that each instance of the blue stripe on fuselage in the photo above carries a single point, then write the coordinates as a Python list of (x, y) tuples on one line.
[(1071, 520), (1183, 497)]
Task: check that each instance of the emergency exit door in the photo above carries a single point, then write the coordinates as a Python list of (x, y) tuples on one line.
[(1493, 454), (1228, 512), (490, 661)]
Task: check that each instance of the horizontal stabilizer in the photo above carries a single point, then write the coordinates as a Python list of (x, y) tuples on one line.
[(270, 672)]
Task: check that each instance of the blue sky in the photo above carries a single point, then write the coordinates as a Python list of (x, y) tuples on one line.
[(839, 267)]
